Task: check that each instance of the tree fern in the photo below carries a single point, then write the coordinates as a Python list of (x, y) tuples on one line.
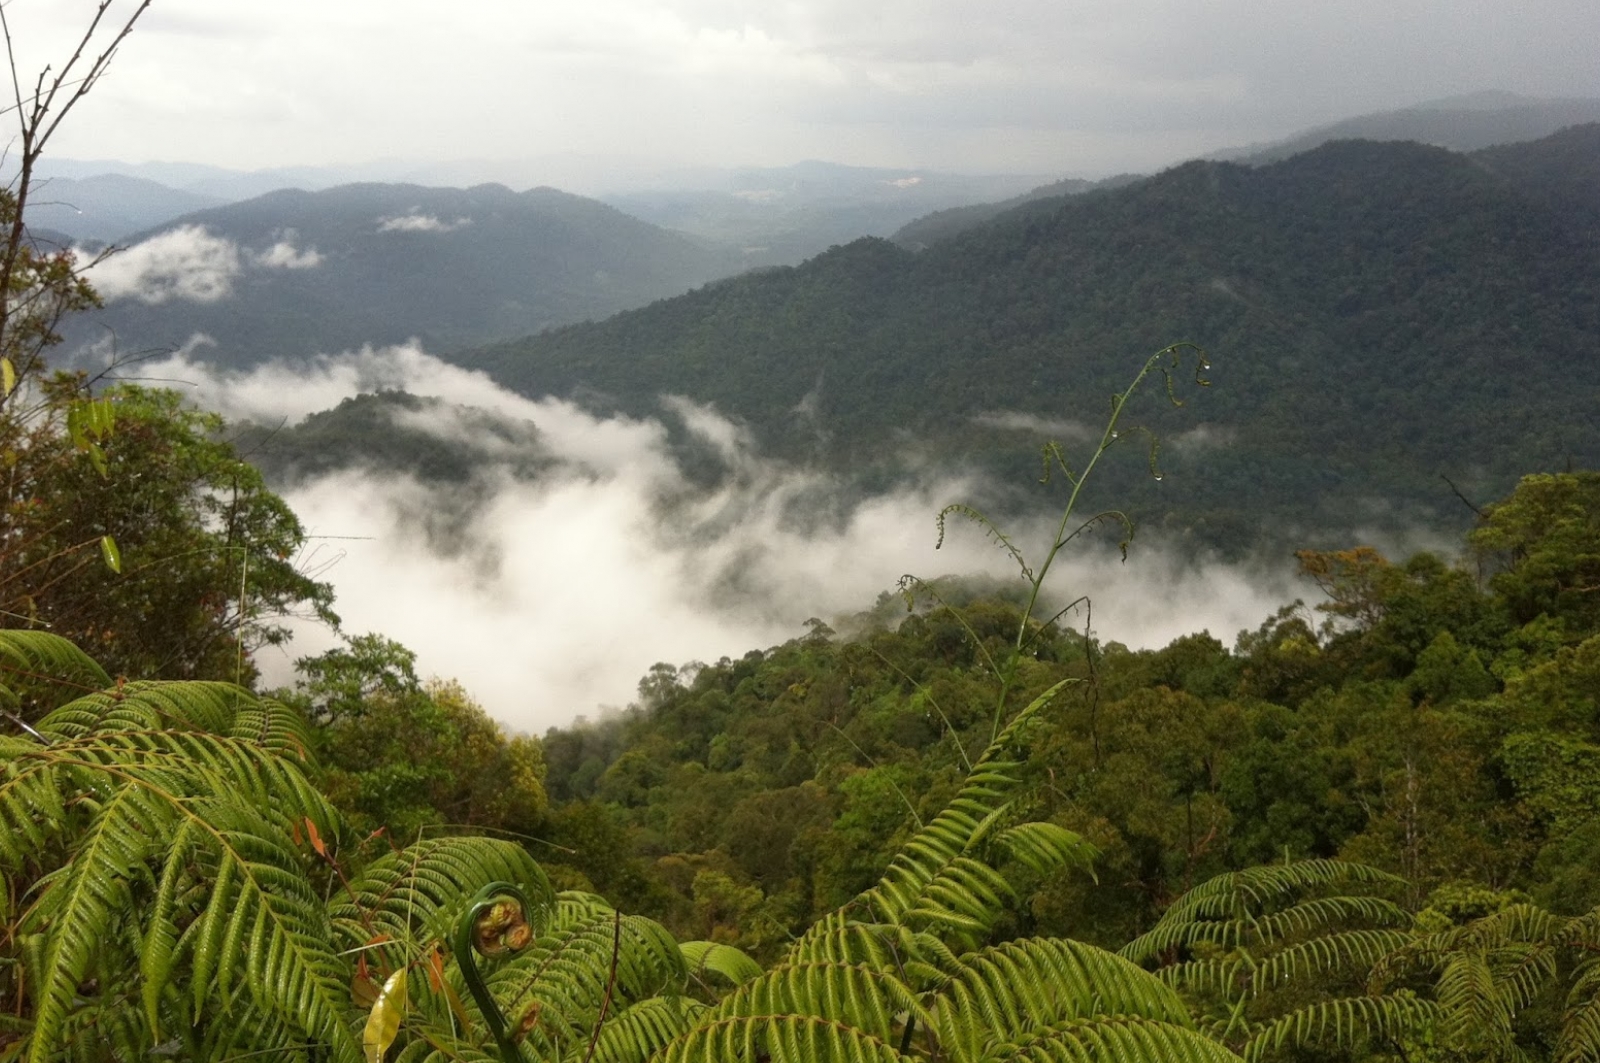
[(39, 671), (1262, 954), (146, 821), (944, 876)]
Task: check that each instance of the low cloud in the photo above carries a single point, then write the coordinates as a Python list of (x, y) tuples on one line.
[(1056, 428), (416, 222), (187, 263), (284, 255), (556, 592)]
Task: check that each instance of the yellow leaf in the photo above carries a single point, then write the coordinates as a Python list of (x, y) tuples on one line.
[(8, 377), (383, 1025)]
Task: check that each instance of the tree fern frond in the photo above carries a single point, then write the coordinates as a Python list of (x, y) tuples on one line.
[(79, 905), (865, 998), (1116, 1039), (1046, 847), (200, 823), (287, 951), (221, 709), (45, 668), (431, 1043), (919, 959), (578, 906), (780, 1039), (1579, 1040), (405, 899), (158, 954), (640, 1031), (705, 958), (1231, 907), (1350, 950), (952, 835), (1343, 1023), (1003, 992), (565, 976)]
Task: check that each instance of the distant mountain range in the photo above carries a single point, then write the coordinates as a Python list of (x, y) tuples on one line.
[(1460, 123), (294, 273), (784, 215), (106, 207), (1379, 314)]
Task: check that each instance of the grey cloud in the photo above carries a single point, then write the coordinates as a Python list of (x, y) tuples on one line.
[(1050, 85)]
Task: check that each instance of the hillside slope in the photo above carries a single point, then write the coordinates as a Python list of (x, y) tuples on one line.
[(1378, 314)]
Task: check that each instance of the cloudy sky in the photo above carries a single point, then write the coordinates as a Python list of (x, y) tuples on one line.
[(1030, 86)]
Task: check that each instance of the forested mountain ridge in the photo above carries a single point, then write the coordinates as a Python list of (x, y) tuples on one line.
[(309, 272), (1378, 314)]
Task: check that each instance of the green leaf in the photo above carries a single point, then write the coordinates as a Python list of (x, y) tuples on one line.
[(112, 555)]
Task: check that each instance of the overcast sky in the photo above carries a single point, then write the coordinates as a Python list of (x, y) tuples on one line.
[(1027, 86)]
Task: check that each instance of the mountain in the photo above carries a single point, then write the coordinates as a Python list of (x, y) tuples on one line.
[(1460, 123), (294, 272), (943, 224), (107, 207), (1378, 315), (783, 215)]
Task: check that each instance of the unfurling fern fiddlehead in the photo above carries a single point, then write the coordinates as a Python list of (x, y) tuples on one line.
[(495, 923)]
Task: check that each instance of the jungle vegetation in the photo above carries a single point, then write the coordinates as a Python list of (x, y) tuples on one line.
[(967, 832)]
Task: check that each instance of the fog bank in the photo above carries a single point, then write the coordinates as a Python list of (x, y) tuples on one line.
[(552, 595)]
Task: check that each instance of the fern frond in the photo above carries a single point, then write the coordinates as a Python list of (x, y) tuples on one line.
[(990, 528), (1225, 909), (704, 958), (1329, 954), (930, 858), (1003, 992), (279, 929), (47, 668), (199, 822), (919, 959), (780, 1039), (405, 899), (1344, 1023), (1046, 847), (1117, 1039), (1579, 1040), (865, 998), (640, 1031), (568, 972), (80, 904)]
